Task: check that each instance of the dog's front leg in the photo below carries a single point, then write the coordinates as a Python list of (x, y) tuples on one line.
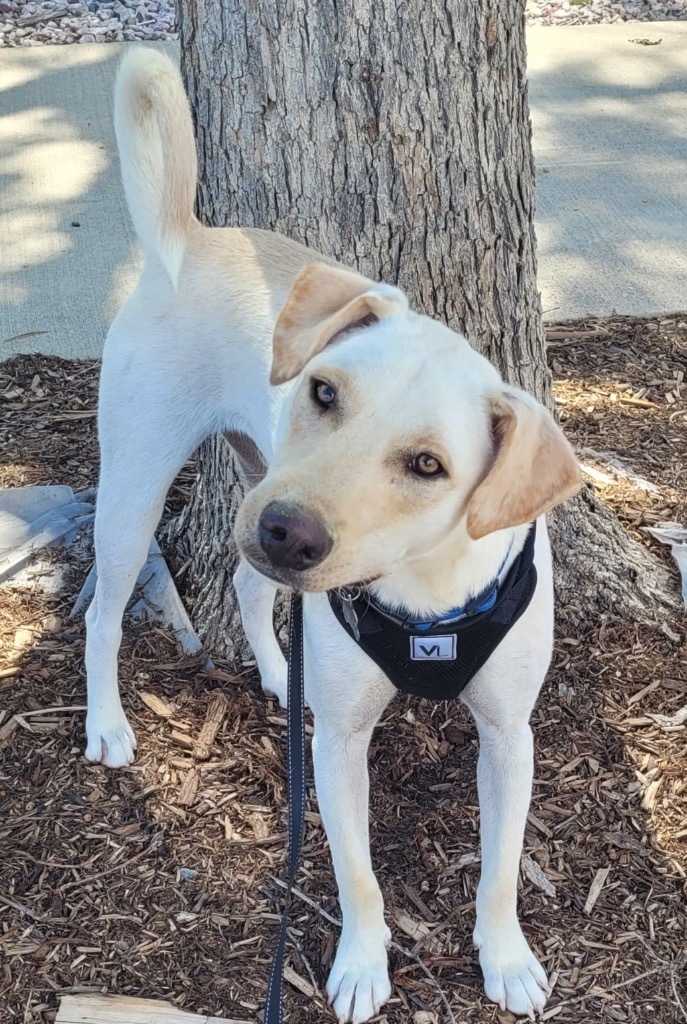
[(359, 980), (513, 977)]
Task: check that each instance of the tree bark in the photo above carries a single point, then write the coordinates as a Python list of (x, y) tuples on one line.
[(203, 544), (394, 137)]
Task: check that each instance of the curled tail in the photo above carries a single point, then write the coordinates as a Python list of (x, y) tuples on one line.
[(157, 154)]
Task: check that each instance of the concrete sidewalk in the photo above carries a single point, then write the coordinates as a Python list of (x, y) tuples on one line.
[(610, 136), (67, 250), (609, 123)]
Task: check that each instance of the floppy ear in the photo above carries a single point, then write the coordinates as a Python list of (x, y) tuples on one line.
[(534, 467), (324, 302)]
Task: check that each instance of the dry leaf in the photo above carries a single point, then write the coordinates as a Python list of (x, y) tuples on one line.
[(410, 927)]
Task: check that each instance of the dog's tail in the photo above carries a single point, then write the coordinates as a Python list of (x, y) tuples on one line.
[(157, 153)]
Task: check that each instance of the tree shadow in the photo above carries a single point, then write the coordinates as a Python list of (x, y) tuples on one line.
[(610, 141), (69, 256)]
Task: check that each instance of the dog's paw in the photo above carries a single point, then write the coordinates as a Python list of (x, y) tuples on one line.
[(513, 977), (359, 985), (112, 744)]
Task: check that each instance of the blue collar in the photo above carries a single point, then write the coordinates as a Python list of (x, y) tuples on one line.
[(482, 602)]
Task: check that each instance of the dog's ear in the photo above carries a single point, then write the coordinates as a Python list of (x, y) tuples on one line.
[(534, 467), (323, 303)]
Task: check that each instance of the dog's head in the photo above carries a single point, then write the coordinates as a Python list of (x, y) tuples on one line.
[(396, 437)]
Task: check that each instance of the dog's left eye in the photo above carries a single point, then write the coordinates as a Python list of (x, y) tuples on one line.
[(425, 465), (323, 393)]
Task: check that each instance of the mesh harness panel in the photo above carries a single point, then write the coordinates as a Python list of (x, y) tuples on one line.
[(438, 662)]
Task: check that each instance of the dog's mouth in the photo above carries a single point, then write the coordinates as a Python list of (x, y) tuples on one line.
[(309, 582), (317, 580), (291, 578)]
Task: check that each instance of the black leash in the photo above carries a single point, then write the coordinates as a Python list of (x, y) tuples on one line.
[(295, 741)]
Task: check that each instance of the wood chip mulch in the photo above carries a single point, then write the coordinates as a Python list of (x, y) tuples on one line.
[(621, 392), (159, 880)]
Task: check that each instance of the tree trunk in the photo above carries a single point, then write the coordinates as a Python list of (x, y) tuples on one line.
[(203, 543), (394, 137)]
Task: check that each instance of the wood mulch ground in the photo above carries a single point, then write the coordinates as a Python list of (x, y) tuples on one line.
[(159, 880)]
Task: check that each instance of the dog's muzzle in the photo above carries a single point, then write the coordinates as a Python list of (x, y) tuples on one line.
[(291, 538)]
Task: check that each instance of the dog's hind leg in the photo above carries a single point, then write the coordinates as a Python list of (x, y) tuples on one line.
[(256, 594), (145, 439)]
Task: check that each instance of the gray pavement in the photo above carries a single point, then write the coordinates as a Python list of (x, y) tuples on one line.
[(609, 121), (61, 284), (610, 137)]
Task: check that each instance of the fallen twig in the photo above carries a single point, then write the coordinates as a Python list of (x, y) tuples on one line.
[(36, 19), (643, 403)]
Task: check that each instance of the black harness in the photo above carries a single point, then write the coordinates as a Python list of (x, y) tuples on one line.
[(438, 659)]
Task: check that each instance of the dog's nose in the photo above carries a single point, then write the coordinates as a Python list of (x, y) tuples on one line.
[(291, 539)]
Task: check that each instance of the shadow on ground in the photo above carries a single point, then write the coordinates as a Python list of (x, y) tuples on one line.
[(610, 140), (68, 255)]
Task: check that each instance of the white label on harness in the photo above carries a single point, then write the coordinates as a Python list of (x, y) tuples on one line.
[(433, 648)]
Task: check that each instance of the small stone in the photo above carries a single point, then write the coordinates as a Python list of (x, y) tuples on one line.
[(187, 874), (87, 37)]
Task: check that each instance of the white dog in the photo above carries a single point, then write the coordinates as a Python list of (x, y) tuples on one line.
[(389, 455)]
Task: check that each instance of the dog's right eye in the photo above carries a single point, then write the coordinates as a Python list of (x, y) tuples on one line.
[(324, 394), (426, 465)]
